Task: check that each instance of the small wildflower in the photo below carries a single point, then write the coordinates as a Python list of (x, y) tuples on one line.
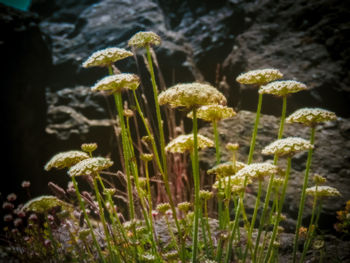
[(311, 116), (282, 87), (226, 169), (258, 170), (323, 191), (147, 257), (184, 206), (146, 157), (8, 206), (89, 147), (25, 184), (318, 179), (117, 83), (8, 218), (302, 232), (171, 255), (287, 146), (162, 208), (318, 244), (12, 197), (65, 159), (205, 195), (33, 217), (236, 183), (90, 166), (259, 76), (191, 95), (106, 57), (128, 113), (214, 112), (45, 203), (144, 38), (169, 213), (184, 143), (155, 213), (109, 191), (232, 146)]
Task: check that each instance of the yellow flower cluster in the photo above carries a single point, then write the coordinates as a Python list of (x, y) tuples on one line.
[(184, 143), (282, 87), (322, 191), (287, 146), (258, 170), (163, 207), (259, 76), (117, 83), (106, 57), (45, 203), (191, 95), (89, 147), (90, 166), (226, 169), (65, 159), (144, 38), (311, 116), (213, 113)]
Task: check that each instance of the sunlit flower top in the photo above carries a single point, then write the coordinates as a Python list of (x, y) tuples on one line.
[(258, 170), (311, 116), (213, 113), (65, 159), (163, 207), (144, 38), (184, 143), (322, 191), (205, 194), (191, 95), (287, 146), (259, 76), (146, 157), (184, 206), (282, 87), (106, 57), (89, 147), (235, 182), (226, 168), (117, 83), (45, 203), (90, 166)]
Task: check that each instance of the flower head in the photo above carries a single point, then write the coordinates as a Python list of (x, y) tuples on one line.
[(117, 83), (191, 95), (226, 169), (90, 166), (236, 183), (89, 147), (65, 159), (184, 143), (45, 203), (184, 206), (144, 38), (258, 170), (259, 76), (287, 146), (205, 194), (146, 157), (106, 57), (213, 113), (311, 116), (322, 191), (163, 207), (282, 87)]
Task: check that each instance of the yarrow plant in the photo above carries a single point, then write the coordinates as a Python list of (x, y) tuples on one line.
[(93, 220)]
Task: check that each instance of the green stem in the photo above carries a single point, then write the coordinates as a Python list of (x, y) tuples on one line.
[(207, 225), (278, 217), (196, 188), (255, 131), (303, 194)]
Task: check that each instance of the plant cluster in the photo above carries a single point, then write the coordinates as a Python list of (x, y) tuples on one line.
[(81, 226)]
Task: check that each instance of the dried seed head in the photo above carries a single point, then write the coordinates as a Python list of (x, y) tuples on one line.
[(213, 113), (89, 147), (106, 57), (45, 203), (184, 143), (282, 87), (259, 76), (65, 159), (288, 146), (117, 83), (311, 116), (226, 169), (322, 191), (191, 95), (90, 166), (184, 206), (162, 208), (258, 170), (205, 195), (146, 157), (144, 38)]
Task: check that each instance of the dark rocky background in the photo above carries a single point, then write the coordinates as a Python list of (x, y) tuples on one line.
[(47, 106)]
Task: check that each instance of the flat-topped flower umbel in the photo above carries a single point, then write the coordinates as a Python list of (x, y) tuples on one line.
[(117, 83), (226, 168), (191, 95), (259, 76), (90, 166), (65, 160), (106, 57), (213, 113), (311, 116), (287, 147), (45, 203), (322, 191), (282, 87), (144, 38), (258, 170), (185, 143)]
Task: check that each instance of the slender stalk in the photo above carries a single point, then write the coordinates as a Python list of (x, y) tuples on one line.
[(255, 131), (278, 217), (303, 194), (196, 188), (207, 225)]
